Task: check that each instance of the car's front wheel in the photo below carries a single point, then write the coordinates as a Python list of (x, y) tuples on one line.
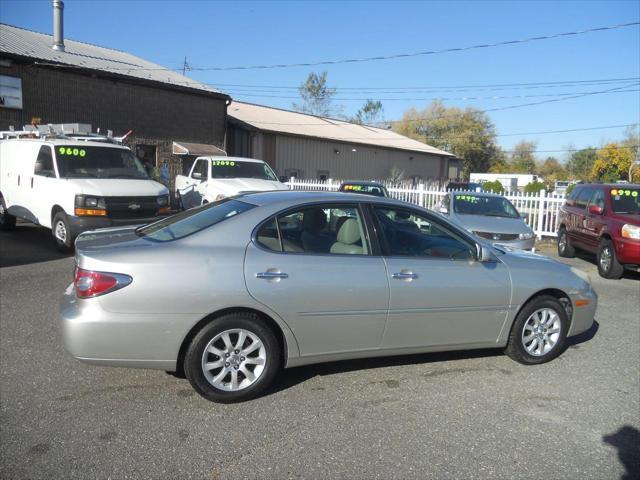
[(233, 358), (7, 221), (539, 331), (61, 231), (608, 265)]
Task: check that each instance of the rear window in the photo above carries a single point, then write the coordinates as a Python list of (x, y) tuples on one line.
[(192, 221), (625, 200), (376, 190)]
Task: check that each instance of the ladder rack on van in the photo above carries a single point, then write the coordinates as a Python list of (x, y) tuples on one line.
[(75, 131)]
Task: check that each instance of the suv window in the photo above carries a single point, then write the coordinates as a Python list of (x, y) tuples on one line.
[(325, 229), (44, 162), (598, 198), (191, 221), (583, 197), (410, 234)]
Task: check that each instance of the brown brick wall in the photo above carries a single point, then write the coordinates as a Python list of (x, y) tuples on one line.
[(158, 116)]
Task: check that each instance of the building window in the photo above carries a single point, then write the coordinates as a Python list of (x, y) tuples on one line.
[(323, 175), (147, 155), (293, 172)]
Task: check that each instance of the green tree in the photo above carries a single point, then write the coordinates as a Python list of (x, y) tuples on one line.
[(534, 187), (523, 159), (317, 97), (613, 162), (580, 163), (467, 133), (500, 162), (494, 186), (551, 170), (370, 112)]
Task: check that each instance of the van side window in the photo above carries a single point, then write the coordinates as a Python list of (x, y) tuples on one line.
[(201, 168), (44, 163), (598, 198)]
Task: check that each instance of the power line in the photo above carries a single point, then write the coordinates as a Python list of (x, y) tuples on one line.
[(399, 55), (445, 88), (413, 99), (421, 53)]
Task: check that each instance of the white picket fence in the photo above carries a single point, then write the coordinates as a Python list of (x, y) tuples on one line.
[(540, 210)]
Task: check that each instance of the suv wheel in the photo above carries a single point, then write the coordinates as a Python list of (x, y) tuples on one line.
[(565, 249), (608, 265)]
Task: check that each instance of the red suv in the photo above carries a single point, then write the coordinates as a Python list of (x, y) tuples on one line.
[(605, 220)]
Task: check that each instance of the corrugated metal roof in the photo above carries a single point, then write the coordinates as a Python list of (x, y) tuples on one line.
[(295, 123), (26, 43)]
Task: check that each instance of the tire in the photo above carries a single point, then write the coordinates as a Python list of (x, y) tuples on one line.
[(565, 249), (216, 384), (548, 314), (61, 232), (7, 221), (608, 265)]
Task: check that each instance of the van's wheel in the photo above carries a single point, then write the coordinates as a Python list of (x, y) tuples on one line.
[(62, 232), (539, 331), (7, 221), (565, 249), (233, 358), (608, 265)]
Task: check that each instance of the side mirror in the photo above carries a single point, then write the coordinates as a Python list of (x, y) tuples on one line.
[(484, 255), (283, 179), (444, 210), (196, 175), (523, 215), (595, 210)]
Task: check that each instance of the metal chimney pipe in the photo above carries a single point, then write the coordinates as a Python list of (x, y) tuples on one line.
[(58, 25)]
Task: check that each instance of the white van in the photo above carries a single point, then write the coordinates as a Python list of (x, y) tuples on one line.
[(71, 185)]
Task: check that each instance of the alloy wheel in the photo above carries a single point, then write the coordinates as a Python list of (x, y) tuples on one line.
[(234, 360), (541, 332), (606, 256)]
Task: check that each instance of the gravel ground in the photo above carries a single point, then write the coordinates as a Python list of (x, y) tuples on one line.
[(456, 415)]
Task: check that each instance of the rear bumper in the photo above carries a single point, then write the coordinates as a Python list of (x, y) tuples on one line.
[(94, 336), (84, 224), (628, 251)]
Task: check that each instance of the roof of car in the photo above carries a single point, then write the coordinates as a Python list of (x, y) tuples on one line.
[(235, 159), (477, 194), (608, 185), (362, 182), (66, 141), (294, 197)]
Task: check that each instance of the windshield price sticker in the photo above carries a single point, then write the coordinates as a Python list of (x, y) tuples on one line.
[(76, 152), (467, 198), (355, 188), (225, 163), (622, 192)]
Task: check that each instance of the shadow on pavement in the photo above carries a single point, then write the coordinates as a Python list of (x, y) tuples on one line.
[(627, 441), (584, 336), (293, 376), (588, 257), (28, 244)]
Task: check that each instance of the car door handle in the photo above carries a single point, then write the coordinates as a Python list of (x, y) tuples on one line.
[(404, 275), (271, 275)]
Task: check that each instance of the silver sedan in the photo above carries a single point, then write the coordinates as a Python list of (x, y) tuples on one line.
[(230, 292)]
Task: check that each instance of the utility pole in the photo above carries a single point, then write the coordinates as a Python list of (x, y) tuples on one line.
[(185, 66)]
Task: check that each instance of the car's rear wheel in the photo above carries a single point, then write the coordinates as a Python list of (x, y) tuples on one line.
[(233, 358), (62, 232), (7, 221), (539, 331), (608, 265), (565, 249)]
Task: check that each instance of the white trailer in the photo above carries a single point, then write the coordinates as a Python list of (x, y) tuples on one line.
[(510, 181)]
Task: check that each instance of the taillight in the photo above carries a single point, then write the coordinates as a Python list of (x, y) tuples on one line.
[(92, 284)]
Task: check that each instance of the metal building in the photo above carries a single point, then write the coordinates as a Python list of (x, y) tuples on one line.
[(307, 146)]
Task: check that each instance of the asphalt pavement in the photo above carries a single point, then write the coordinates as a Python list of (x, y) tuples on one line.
[(472, 415)]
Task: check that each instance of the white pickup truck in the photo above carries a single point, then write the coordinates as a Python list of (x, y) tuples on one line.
[(214, 178)]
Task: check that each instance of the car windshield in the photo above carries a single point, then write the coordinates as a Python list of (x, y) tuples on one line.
[(469, 204), (98, 162), (239, 169), (377, 190), (625, 200), (192, 221)]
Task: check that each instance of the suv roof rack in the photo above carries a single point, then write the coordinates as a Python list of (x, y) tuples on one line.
[(71, 131)]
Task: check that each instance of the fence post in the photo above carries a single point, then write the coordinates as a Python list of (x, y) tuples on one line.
[(292, 181), (541, 210), (421, 194), (330, 185)]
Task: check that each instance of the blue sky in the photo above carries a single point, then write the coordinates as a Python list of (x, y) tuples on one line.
[(249, 33)]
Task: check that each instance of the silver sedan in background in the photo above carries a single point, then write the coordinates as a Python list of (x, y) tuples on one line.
[(489, 216), (232, 291)]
